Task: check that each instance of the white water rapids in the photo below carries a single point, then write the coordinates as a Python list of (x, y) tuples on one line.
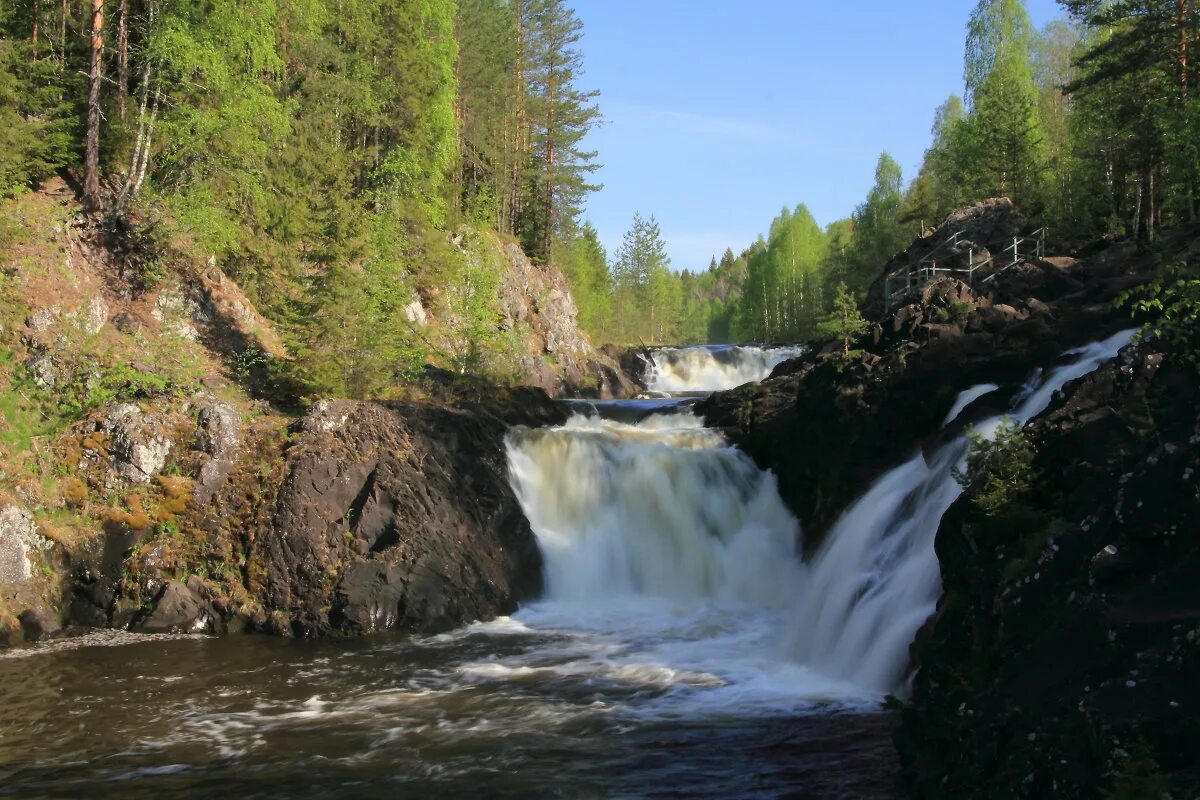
[(674, 552), (713, 368)]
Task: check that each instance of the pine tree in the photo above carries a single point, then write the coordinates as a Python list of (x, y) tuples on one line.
[(560, 117)]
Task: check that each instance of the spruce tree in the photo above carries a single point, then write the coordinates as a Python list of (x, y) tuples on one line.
[(560, 116)]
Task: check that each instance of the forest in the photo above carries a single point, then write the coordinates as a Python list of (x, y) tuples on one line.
[(326, 154), (1091, 125)]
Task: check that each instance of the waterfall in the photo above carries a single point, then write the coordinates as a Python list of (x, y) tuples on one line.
[(876, 579), (676, 546), (663, 508), (713, 368)]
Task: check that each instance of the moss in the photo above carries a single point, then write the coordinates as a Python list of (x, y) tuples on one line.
[(74, 492)]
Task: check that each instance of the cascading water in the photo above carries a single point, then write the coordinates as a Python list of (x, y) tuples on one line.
[(664, 515), (713, 368), (662, 509), (876, 580), (682, 649)]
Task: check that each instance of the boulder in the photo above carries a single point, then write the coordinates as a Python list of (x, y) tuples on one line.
[(218, 434), (399, 516), (177, 610), (38, 623), (139, 441)]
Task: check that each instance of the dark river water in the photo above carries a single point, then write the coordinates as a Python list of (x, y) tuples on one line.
[(495, 710)]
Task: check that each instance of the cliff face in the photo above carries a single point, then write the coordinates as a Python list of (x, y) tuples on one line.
[(144, 486), (1063, 657)]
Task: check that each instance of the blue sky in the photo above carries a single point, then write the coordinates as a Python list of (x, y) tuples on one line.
[(719, 114)]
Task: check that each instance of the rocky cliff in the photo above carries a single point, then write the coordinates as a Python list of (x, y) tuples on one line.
[(144, 486)]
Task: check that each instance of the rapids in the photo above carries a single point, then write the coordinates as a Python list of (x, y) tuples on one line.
[(711, 368)]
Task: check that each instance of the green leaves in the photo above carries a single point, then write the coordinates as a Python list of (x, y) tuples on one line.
[(845, 323), (1171, 303), (999, 470)]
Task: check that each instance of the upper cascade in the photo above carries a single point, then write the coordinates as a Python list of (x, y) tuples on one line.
[(712, 368)]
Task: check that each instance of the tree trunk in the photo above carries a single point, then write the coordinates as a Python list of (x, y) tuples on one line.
[(62, 34), (37, 16), (123, 59), (91, 161)]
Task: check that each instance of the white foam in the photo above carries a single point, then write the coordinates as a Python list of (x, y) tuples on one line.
[(711, 369)]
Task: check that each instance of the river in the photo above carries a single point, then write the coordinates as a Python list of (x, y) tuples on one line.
[(682, 648)]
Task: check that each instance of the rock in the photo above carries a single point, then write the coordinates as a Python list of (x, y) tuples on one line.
[(97, 315), (139, 442), (370, 530), (41, 320), (414, 312), (1072, 610), (178, 610), (18, 541), (38, 623), (128, 323), (229, 315), (218, 427), (218, 434), (42, 369)]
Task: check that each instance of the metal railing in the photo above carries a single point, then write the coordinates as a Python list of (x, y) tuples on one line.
[(903, 280)]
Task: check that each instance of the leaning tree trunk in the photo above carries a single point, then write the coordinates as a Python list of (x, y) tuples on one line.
[(91, 160)]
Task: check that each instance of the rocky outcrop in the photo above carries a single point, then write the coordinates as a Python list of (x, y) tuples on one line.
[(1063, 657), (19, 543), (537, 305), (828, 426), (398, 516), (139, 443), (218, 434), (978, 231)]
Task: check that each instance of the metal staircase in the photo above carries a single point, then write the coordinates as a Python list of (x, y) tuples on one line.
[(940, 262)]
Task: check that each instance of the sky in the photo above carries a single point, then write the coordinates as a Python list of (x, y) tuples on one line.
[(720, 114)]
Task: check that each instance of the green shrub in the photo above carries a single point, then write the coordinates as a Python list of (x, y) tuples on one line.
[(1170, 305), (999, 471)]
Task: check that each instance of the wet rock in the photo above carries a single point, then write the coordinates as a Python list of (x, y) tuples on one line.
[(139, 442), (1065, 621), (399, 516), (38, 623), (178, 610), (18, 542)]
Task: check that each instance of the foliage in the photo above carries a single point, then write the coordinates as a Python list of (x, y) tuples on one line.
[(1172, 303), (845, 323), (36, 126), (94, 385), (999, 469)]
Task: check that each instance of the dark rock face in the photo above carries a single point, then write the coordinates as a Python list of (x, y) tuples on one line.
[(178, 610), (828, 427), (399, 516), (1063, 659), (38, 623)]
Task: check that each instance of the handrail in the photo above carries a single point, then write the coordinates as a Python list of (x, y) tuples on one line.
[(926, 270)]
